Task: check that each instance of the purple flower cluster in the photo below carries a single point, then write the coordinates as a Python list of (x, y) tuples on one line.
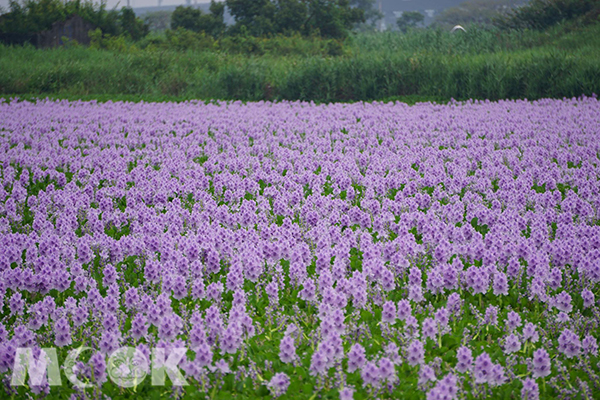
[(337, 244)]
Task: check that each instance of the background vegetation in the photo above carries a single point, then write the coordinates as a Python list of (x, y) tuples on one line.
[(531, 52), (28, 17)]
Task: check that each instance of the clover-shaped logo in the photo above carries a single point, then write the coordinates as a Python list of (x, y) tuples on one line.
[(127, 367)]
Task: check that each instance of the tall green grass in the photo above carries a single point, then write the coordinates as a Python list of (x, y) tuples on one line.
[(434, 64)]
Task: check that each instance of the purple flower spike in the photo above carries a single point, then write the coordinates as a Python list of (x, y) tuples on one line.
[(279, 384), (530, 390), (415, 353), (540, 364), (464, 359), (483, 368)]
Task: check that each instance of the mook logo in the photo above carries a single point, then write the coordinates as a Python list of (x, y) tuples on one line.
[(127, 367)]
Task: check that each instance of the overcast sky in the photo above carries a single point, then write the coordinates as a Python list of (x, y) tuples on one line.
[(134, 3)]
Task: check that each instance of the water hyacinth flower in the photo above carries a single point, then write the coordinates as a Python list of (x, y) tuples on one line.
[(588, 298), (482, 371), (308, 291), (590, 345), (319, 363), (540, 364), (562, 301), (491, 315), (426, 374), (16, 304), (415, 293), (404, 309), (97, 364), (513, 321), (62, 332), (370, 374), (442, 317), (388, 313), (429, 328), (445, 389), (530, 390), (347, 393), (530, 332), (477, 279), (279, 384), (195, 225), (139, 326), (392, 353), (569, 343), (498, 377), (109, 342), (512, 344), (500, 284), (464, 358), (415, 353), (356, 357), (387, 371), (287, 349)]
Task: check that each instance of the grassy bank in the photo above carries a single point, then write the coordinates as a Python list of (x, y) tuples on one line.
[(426, 64)]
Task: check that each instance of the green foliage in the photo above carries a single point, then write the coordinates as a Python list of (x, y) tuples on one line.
[(277, 46), (132, 26), (409, 19), (118, 43), (193, 19), (328, 18), (480, 12), (371, 14), (541, 14), (31, 16), (333, 19), (256, 16), (421, 65), (183, 39), (158, 21), (27, 17)]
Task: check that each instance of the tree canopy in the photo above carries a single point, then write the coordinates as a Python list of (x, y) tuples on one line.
[(33, 16), (541, 14), (479, 12), (409, 19), (193, 19), (328, 18)]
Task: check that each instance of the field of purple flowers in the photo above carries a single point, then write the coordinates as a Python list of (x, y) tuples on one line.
[(302, 251)]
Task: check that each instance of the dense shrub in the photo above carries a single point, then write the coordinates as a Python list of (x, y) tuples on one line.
[(541, 14), (27, 17)]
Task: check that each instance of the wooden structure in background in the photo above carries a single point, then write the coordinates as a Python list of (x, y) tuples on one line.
[(73, 28)]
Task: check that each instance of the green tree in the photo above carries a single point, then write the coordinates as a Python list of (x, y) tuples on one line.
[(33, 16), (480, 12), (291, 15), (256, 17), (371, 14), (333, 19), (158, 20), (329, 18), (186, 18), (193, 19), (409, 19), (213, 23), (131, 25), (541, 14)]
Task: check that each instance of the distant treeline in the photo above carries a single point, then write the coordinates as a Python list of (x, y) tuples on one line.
[(258, 18), (27, 17), (191, 28)]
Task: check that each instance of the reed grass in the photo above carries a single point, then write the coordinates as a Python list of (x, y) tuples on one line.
[(432, 64)]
